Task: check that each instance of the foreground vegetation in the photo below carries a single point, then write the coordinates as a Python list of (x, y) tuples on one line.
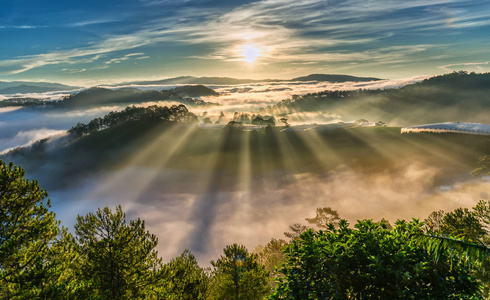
[(107, 257)]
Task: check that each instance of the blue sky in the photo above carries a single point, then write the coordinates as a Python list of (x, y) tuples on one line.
[(101, 41)]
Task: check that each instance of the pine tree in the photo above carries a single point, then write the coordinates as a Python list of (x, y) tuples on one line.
[(27, 230), (117, 260)]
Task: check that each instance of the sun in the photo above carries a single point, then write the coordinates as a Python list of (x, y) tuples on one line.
[(250, 53)]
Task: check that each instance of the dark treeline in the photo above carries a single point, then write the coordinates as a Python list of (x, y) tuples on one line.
[(151, 114), (107, 257)]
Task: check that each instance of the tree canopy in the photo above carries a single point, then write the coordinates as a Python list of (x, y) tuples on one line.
[(368, 261), (117, 260), (27, 229), (175, 113), (237, 275)]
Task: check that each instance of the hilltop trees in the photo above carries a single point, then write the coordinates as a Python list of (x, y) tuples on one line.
[(175, 113)]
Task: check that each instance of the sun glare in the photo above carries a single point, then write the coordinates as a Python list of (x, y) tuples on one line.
[(250, 53)]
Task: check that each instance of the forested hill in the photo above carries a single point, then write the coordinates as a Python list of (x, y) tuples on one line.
[(98, 96), (458, 96), (20, 87), (101, 96), (102, 142), (167, 141), (230, 81), (334, 78), (459, 80)]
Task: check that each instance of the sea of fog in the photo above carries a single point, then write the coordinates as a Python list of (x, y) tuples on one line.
[(20, 127), (206, 221)]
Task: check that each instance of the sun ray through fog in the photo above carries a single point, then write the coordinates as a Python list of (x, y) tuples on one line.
[(152, 157)]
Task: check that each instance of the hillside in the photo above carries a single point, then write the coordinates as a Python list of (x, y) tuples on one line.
[(194, 91), (22, 87), (231, 81), (334, 78), (136, 138), (88, 148), (457, 96), (97, 96)]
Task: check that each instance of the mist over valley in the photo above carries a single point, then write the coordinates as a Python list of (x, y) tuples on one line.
[(203, 186)]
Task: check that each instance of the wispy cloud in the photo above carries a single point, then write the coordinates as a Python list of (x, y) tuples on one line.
[(22, 26), (123, 58), (313, 30), (73, 70), (159, 2), (449, 67), (309, 31), (92, 22), (76, 56)]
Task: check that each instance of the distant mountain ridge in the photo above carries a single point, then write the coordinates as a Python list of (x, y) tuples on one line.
[(334, 78), (97, 96), (229, 80), (24, 87), (101, 96)]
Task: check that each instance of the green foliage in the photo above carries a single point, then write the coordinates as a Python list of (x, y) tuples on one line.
[(463, 224), (185, 279), (369, 262), (482, 212), (464, 236), (434, 221), (117, 260), (27, 227), (463, 251), (237, 275)]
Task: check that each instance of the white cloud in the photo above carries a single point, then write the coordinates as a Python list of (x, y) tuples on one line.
[(22, 26), (449, 67), (25, 138), (73, 70)]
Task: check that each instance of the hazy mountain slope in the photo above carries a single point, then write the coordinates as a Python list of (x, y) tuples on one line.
[(189, 153), (101, 96), (194, 91), (334, 78), (19, 87), (229, 80), (454, 97)]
